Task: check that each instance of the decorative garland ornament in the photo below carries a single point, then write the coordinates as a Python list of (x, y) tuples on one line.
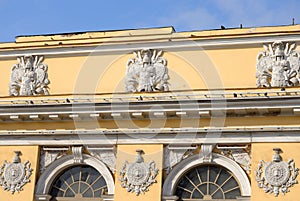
[(138, 176), (278, 176), (13, 176)]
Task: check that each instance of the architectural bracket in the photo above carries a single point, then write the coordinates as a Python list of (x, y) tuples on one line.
[(206, 151), (77, 153)]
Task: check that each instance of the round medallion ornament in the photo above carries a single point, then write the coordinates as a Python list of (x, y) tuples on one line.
[(276, 176), (138, 176), (14, 173), (13, 176), (138, 173)]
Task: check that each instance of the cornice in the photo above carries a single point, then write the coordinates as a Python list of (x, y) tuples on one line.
[(167, 44), (139, 106), (175, 136)]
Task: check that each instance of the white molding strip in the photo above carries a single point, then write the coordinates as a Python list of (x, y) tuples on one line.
[(174, 45), (174, 136)]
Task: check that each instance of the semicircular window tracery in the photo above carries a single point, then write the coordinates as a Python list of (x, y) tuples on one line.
[(208, 182), (79, 182)]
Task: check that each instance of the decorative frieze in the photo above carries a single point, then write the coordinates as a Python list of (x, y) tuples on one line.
[(147, 72), (48, 155), (15, 175), (105, 154), (174, 154), (138, 176), (29, 77), (276, 176), (278, 65), (241, 155)]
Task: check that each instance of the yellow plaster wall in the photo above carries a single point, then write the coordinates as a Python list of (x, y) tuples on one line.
[(128, 152), (236, 66), (198, 69), (30, 153), (5, 66), (264, 151), (219, 66)]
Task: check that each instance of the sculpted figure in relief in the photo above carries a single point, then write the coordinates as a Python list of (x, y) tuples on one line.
[(278, 65), (29, 77), (147, 72)]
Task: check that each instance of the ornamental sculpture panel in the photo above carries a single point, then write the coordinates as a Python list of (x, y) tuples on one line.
[(137, 177), (241, 156), (276, 176), (147, 72), (29, 77), (13, 176), (278, 65)]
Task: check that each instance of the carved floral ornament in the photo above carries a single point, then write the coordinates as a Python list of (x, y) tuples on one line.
[(147, 72), (13, 176), (29, 77), (278, 65), (276, 176), (137, 177)]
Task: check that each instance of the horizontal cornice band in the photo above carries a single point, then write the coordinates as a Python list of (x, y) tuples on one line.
[(197, 108), (168, 45), (152, 136)]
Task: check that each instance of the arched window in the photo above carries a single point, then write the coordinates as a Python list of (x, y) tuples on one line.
[(207, 182), (64, 176), (194, 179), (80, 182)]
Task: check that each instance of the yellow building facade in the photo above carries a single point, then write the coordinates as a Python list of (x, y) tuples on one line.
[(151, 114)]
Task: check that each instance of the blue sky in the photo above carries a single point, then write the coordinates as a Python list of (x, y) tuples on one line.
[(33, 17)]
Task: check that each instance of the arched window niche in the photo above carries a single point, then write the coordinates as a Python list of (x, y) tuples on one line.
[(193, 179), (63, 180)]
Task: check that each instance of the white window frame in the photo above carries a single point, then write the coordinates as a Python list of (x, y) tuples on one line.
[(184, 166)]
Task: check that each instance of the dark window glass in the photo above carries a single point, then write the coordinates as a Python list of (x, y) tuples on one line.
[(79, 181), (207, 182), (203, 188)]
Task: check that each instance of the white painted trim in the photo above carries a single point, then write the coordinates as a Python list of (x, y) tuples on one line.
[(167, 46), (174, 136), (193, 161), (65, 140), (55, 168), (230, 130)]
